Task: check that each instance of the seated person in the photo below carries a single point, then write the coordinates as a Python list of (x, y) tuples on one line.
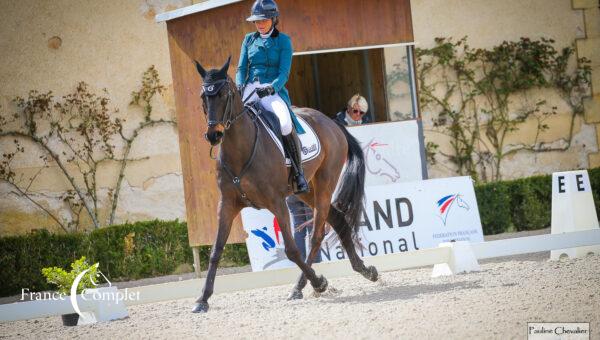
[(355, 112)]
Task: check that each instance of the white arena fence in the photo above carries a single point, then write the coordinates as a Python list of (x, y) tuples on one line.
[(446, 254)]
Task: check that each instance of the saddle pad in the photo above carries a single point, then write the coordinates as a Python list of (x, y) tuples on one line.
[(311, 146)]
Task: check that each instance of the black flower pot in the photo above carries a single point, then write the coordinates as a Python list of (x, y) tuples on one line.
[(70, 319)]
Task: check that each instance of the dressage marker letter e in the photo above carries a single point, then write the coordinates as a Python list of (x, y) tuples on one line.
[(561, 184), (579, 180)]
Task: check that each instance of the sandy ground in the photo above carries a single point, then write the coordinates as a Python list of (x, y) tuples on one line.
[(495, 303)]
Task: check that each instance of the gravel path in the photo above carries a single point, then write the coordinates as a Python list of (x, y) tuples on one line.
[(495, 303)]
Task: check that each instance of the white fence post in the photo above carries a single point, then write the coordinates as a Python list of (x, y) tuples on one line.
[(462, 260)]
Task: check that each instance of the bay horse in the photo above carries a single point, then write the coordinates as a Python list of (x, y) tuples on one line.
[(251, 172)]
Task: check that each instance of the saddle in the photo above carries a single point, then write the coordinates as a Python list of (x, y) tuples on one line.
[(310, 144), (268, 118)]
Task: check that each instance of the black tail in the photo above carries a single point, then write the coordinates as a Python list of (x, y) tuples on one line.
[(351, 193)]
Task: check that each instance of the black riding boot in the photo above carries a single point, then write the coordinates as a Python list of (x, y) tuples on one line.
[(292, 148)]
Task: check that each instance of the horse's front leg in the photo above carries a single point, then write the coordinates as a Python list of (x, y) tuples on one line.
[(227, 211)]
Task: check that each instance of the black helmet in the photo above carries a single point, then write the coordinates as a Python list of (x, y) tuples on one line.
[(263, 9)]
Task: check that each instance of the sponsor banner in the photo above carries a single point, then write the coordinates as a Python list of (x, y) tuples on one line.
[(392, 156), (397, 218)]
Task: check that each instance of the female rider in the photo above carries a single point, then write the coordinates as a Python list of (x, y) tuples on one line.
[(264, 66)]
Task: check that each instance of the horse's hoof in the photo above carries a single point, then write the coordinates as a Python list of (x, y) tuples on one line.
[(296, 294), (370, 273), (200, 307), (322, 286)]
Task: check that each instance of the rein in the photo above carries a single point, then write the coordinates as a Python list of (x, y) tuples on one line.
[(227, 122)]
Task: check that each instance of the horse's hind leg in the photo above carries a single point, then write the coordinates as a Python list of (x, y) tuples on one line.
[(283, 217), (321, 211), (344, 231)]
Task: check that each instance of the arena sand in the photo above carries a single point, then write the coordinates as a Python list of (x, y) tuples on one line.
[(495, 303)]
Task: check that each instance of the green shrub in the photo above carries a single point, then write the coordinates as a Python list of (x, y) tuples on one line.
[(63, 280), (125, 252), (142, 249), (531, 202), (595, 182), (23, 257), (522, 204), (493, 201)]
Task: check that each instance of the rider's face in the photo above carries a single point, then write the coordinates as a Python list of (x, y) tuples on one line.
[(263, 26)]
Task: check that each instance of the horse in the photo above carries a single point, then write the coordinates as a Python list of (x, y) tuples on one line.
[(251, 172)]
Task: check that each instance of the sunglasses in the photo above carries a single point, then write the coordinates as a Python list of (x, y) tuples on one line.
[(357, 111)]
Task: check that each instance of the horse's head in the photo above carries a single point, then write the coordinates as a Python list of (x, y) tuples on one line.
[(461, 202), (217, 101)]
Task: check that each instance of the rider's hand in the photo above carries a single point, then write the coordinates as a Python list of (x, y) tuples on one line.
[(265, 91)]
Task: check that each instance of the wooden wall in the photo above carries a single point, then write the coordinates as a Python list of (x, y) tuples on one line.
[(211, 36)]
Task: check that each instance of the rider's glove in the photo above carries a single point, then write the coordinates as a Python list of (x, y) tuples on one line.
[(265, 91)]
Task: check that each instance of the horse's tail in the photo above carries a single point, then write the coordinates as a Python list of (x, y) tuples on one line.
[(351, 193)]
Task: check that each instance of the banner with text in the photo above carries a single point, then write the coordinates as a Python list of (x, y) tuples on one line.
[(397, 218)]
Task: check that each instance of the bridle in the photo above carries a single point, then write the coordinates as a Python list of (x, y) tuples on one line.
[(210, 90)]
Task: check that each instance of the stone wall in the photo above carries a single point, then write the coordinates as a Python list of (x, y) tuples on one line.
[(51, 46), (487, 24), (588, 47)]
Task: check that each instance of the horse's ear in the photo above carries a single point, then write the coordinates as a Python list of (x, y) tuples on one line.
[(226, 66), (200, 69)]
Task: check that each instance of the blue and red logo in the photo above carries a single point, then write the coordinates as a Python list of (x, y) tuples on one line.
[(446, 203), (268, 242)]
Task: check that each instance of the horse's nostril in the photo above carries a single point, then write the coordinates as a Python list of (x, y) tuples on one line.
[(214, 137)]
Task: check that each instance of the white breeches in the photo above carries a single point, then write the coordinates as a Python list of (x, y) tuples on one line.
[(273, 103)]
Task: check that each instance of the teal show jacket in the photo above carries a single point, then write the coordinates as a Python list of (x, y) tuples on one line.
[(267, 61)]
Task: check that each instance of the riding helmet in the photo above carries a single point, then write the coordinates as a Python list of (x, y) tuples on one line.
[(263, 9)]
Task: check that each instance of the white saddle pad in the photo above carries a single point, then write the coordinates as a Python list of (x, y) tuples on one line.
[(311, 146)]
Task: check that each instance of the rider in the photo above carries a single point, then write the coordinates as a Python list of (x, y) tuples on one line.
[(264, 66)]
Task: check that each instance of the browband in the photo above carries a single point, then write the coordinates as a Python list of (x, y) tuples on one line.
[(211, 89)]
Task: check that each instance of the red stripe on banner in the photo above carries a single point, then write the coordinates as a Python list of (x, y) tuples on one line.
[(276, 228), (443, 208)]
